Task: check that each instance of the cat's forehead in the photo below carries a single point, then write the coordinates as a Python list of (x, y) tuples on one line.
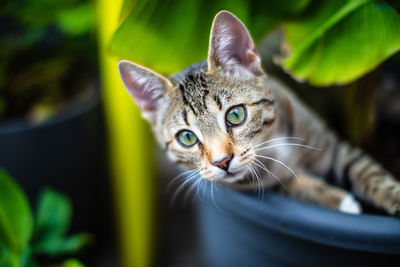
[(193, 91), (190, 103), (199, 98), (194, 86)]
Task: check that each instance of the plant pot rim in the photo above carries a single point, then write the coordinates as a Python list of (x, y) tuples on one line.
[(73, 110), (365, 232)]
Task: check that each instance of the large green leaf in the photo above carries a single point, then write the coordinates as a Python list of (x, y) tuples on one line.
[(169, 35), (339, 41), (53, 216), (16, 222)]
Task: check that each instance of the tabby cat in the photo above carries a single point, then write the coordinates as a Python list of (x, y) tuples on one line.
[(226, 119)]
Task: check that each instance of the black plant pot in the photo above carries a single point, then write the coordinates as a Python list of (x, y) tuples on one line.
[(238, 229), (68, 154)]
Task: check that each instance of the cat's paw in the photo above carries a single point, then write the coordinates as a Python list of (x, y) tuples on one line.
[(350, 205)]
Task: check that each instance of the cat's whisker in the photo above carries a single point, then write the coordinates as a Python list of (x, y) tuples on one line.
[(214, 186), (251, 169), (288, 144), (204, 186), (280, 162), (213, 197), (257, 179), (278, 139), (218, 187), (260, 183), (270, 172), (251, 175), (177, 177), (191, 188), (198, 188), (190, 178), (179, 190), (201, 184)]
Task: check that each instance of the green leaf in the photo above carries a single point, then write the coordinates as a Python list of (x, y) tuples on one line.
[(41, 13), (76, 20), (53, 217), (341, 41), (8, 258), (16, 222), (170, 35), (62, 246)]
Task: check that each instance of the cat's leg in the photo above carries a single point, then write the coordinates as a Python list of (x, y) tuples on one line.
[(367, 179), (317, 191)]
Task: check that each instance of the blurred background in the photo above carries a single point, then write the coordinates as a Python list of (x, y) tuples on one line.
[(67, 123)]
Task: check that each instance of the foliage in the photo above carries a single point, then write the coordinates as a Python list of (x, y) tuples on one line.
[(169, 35), (328, 42), (23, 240), (339, 41), (46, 55)]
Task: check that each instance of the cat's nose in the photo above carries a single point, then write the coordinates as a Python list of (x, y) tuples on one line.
[(223, 163)]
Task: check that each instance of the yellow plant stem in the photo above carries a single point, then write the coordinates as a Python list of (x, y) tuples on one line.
[(130, 151)]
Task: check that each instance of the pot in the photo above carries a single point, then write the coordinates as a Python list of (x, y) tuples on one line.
[(239, 229), (68, 154)]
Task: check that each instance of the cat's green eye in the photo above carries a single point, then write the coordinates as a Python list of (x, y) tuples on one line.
[(186, 138), (236, 116)]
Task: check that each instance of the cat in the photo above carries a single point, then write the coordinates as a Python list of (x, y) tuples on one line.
[(228, 121)]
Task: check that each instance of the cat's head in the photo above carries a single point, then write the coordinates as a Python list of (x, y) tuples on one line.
[(210, 116)]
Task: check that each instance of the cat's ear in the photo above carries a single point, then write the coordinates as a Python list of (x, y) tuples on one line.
[(231, 47), (145, 86)]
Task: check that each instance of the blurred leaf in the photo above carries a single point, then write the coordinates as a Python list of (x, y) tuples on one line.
[(169, 35), (73, 263), (40, 13), (313, 18), (341, 41), (8, 258), (26, 259), (16, 222), (127, 8), (53, 217), (76, 20), (63, 246)]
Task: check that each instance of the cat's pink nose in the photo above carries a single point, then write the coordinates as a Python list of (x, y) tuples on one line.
[(223, 163)]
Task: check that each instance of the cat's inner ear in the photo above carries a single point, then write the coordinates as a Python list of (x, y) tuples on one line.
[(145, 86), (231, 47)]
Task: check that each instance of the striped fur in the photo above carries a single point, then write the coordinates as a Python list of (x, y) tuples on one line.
[(277, 140)]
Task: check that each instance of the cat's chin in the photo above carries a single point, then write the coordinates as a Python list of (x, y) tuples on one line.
[(231, 180), (237, 177), (246, 182)]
